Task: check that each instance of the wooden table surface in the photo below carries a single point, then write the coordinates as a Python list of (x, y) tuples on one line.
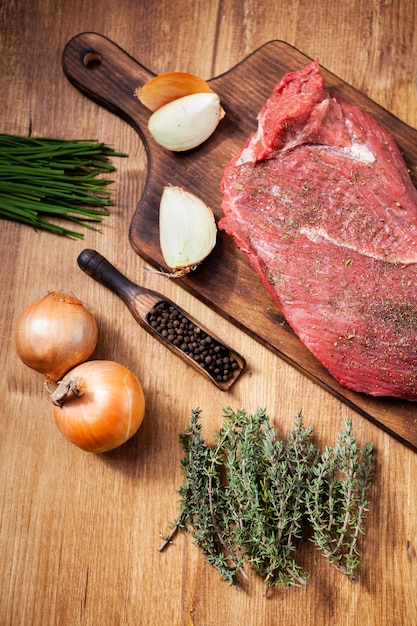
[(79, 533)]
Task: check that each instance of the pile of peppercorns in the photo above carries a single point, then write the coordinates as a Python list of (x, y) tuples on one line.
[(177, 329)]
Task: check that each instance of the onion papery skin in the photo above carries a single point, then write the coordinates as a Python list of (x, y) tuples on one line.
[(54, 334), (169, 86), (109, 411)]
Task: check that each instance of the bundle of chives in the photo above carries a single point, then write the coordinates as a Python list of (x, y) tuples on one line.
[(44, 178)]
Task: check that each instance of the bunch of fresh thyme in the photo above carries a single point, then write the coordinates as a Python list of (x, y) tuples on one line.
[(252, 498), (336, 500), (44, 178)]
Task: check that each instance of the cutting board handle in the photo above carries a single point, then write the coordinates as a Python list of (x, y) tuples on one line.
[(104, 72)]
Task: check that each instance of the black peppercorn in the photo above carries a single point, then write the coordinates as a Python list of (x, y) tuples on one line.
[(177, 329)]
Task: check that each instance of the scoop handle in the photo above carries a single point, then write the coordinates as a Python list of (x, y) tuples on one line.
[(138, 299)]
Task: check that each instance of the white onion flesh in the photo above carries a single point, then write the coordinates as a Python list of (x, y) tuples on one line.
[(185, 123), (187, 229)]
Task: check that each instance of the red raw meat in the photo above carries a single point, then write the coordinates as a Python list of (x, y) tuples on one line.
[(321, 202)]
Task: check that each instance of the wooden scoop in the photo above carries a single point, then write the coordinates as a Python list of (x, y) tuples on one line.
[(206, 353)]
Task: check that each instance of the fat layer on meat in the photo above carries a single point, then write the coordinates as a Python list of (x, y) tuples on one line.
[(321, 202)]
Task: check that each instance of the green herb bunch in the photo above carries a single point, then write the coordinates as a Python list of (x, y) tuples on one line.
[(336, 500), (44, 178), (251, 498)]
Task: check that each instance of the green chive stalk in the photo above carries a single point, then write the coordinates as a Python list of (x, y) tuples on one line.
[(46, 179)]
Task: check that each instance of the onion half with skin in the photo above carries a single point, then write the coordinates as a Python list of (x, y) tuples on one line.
[(55, 333), (187, 230), (99, 405), (170, 86)]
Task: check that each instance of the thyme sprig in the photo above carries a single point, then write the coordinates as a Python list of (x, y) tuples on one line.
[(251, 498), (42, 179), (203, 505), (337, 500), (266, 481)]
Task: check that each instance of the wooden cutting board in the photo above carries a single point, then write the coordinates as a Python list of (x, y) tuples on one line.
[(105, 73)]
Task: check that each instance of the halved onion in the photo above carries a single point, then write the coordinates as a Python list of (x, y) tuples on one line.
[(185, 123), (170, 86), (187, 230)]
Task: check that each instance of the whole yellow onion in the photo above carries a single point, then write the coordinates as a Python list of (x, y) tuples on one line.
[(99, 405), (55, 333)]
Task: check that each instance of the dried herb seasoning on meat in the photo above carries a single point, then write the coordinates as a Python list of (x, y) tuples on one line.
[(251, 498)]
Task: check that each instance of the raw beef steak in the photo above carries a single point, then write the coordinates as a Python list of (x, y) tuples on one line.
[(321, 202)]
